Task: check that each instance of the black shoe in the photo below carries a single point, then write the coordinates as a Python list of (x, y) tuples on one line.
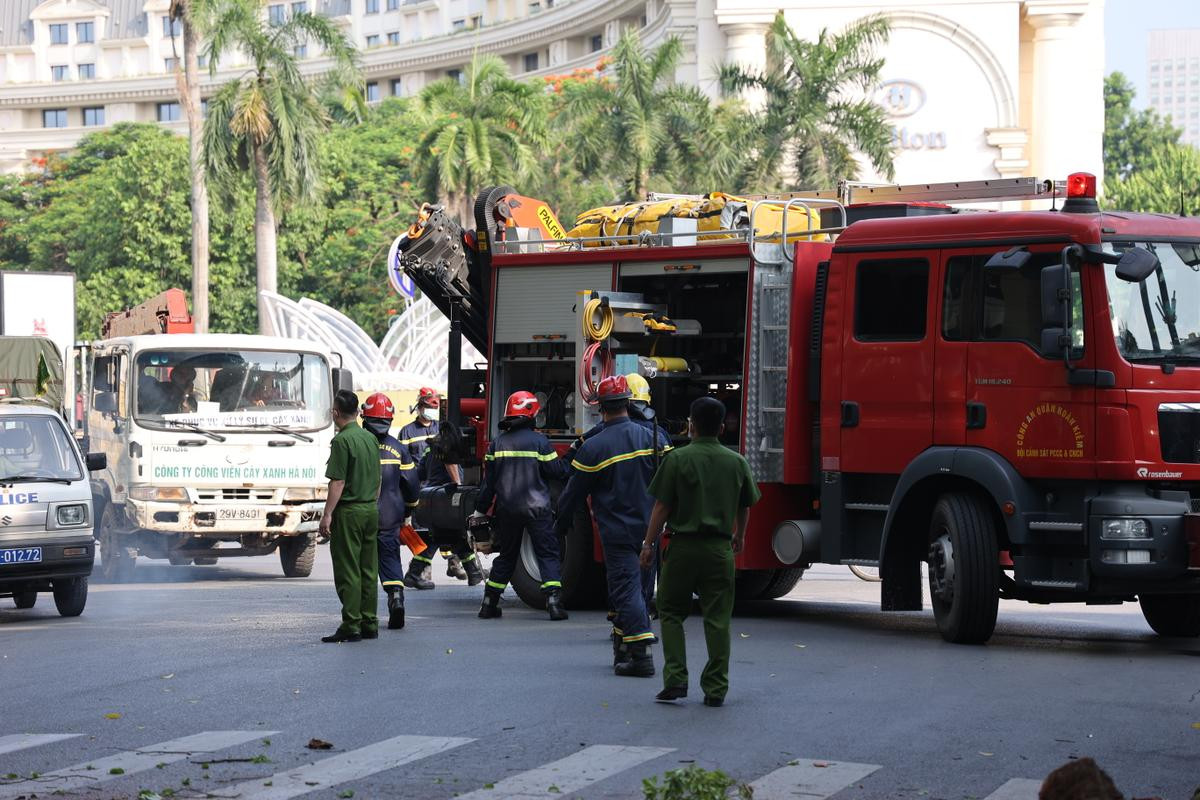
[(713, 702), (554, 605), (652, 609), (395, 610), (670, 694), (491, 605), (338, 636), (638, 662), (415, 578), (474, 571), (370, 633), (454, 568), (618, 649)]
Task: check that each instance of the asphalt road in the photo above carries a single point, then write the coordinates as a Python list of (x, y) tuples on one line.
[(219, 680)]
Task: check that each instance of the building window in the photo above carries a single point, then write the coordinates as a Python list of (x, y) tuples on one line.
[(397, 87), (596, 43), (530, 61), (54, 118), (59, 34), (394, 37), (301, 51), (373, 40), (458, 25), (392, 5), (372, 6), (373, 92), (87, 72), (299, 8), (1154, 66), (168, 112), (172, 27), (891, 298), (171, 63), (93, 116), (535, 8), (477, 21), (455, 75), (59, 73), (277, 14), (202, 61), (85, 32)]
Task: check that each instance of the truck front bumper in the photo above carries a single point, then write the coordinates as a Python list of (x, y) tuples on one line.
[(1161, 543), (225, 520)]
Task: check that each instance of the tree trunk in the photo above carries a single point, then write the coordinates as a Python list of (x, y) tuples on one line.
[(190, 95), (264, 236)]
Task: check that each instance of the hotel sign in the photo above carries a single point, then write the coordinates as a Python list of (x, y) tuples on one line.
[(902, 99)]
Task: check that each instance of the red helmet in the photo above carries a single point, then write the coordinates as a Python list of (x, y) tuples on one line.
[(522, 404), (614, 387), (428, 398), (379, 406)]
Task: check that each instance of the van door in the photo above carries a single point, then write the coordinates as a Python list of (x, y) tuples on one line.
[(108, 415)]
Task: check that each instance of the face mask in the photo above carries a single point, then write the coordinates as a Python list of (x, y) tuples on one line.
[(430, 414), (377, 426)]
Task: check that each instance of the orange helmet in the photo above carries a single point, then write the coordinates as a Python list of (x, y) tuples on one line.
[(522, 404), (614, 387), (379, 406), (428, 398)]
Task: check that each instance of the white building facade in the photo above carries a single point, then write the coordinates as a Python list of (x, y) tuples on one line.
[(976, 88), (1174, 79)]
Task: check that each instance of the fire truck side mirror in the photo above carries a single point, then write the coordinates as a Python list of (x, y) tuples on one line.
[(1053, 290), (343, 380), (1136, 264)]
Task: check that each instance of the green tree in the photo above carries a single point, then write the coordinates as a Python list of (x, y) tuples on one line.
[(269, 121), (488, 129), (1164, 181), (817, 113), (1130, 136)]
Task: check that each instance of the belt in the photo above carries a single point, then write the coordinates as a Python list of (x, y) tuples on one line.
[(699, 534)]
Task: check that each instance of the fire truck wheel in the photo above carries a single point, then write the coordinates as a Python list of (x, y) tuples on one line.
[(964, 576), (582, 578), (1172, 614), (116, 559), (296, 554), (782, 582), (25, 598), (750, 585)]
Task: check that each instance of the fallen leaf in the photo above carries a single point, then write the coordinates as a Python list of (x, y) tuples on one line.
[(295, 691), (168, 676), (346, 793), (116, 771), (449, 650), (112, 715), (820, 763), (319, 744), (801, 646), (744, 635), (986, 754)]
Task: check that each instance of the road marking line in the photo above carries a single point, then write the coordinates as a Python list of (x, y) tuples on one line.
[(23, 741), (1017, 789), (807, 780), (327, 772), (90, 773), (576, 771)]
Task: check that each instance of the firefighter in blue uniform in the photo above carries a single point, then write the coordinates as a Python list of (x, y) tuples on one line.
[(615, 466), (417, 436), (436, 471), (517, 469), (397, 498)]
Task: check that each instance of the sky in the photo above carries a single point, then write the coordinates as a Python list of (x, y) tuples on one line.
[(1126, 25)]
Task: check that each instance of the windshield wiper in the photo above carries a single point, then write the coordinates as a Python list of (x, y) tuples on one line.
[(196, 429), (281, 429), (34, 479)]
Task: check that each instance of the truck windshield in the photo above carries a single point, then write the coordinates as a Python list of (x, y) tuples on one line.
[(232, 390), (1158, 320), (36, 448)]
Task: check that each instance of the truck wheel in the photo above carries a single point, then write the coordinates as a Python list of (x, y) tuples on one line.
[(116, 559), (204, 561), (296, 554), (25, 598), (1172, 614), (179, 561), (70, 596), (964, 576), (750, 585), (782, 582), (582, 578)]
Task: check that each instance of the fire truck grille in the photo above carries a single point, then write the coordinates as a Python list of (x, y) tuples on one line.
[(1179, 432)]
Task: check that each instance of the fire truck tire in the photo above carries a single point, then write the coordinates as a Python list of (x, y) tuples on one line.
[(117, 560), (751, 584), (582, 578), (964, 576), (782, 582), (204, 561), (1175, 615), (70, 596), (296, 555), (25, 599)]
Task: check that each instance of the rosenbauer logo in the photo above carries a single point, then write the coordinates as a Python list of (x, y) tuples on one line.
[(1145, 473)]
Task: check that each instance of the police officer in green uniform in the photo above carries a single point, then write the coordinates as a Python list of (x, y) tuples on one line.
[(351, 520), (703, 493)]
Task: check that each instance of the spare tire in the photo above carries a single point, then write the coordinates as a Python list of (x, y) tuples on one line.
[(582, 578)]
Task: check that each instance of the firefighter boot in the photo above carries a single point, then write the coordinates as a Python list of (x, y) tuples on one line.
[(491, 604), (454, 568), (638, 662), (554, 605), (414, 578), (395, 605), (474, 572), (618, 649)]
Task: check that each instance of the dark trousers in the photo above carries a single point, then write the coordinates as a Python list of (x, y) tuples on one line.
[(355, 555), (391, 568), (460, 548), (702, 565), (622, 548), (509, 531)]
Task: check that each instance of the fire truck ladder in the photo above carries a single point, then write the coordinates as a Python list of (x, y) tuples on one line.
[(991, 190)]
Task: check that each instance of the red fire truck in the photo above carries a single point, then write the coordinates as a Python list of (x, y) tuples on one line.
[(1009, 398)]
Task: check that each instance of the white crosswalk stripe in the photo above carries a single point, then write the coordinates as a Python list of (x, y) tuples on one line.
[(361, 763), (576, 771), (23, 741), (810, 779), (91, 773), (1017, 789)]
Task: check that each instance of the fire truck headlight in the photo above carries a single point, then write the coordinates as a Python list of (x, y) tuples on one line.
[(1125, 529)]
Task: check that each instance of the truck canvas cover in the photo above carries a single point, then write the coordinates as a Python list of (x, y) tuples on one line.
[(31, 367)]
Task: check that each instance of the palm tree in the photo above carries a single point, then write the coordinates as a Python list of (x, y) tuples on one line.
[(486, 129), (818, 111), (194, 14), (269, 120)]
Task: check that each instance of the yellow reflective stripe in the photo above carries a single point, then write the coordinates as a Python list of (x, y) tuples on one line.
[(398, 463), (417, 438), (423, 558), (521, 454), (638, 637), (667, 448), (608, 462), (413, 504), (393, 583), (552, 585), (494, 585)]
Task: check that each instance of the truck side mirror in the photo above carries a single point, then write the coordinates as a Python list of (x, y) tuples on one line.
[(1136, 264), (1054, 343), (343, 380), (1053, 289), (96, 461), (105, 402)]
